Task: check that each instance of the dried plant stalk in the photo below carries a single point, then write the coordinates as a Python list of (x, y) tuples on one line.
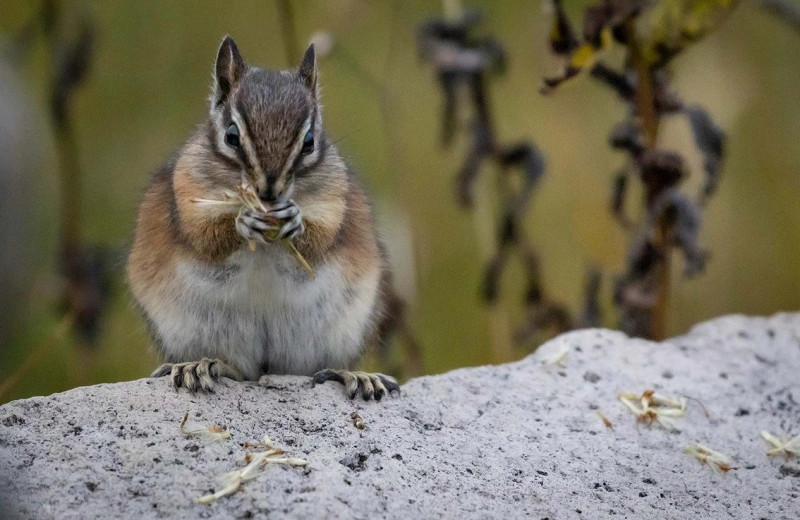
[(653, 33), (246, 198), (233, 481)]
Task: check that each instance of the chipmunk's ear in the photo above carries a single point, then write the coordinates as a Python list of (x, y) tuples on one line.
[(228, 71), (308, 70)]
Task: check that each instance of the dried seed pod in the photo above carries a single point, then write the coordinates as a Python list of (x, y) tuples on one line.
[(358, 421), (684, 219), (660, 170), (618, 81), (710, 140), (562, 37), (627, 136)]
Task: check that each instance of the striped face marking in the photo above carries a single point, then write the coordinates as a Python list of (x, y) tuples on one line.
[(271, 128)]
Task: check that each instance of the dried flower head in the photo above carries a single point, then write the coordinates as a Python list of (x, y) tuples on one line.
[(210, 433), (790, 447), (719, 462), (650, 407), (358, 421)]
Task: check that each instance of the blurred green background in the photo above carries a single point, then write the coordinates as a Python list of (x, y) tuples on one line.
[(148, 88)]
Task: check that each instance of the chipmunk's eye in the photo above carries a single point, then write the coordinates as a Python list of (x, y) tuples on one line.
[(308, 143), (232, 136)]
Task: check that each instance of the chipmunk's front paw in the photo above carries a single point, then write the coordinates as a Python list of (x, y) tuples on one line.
[(197, 375), (289, 213), (252, 225), (373, 386)]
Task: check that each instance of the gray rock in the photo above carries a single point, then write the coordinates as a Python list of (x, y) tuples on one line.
[(522, 439)]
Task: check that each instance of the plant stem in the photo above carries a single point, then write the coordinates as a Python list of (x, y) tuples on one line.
[(646, 109), (645, 100), (485, 230)]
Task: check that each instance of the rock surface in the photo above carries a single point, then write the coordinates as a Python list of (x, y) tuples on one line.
[(522, 439)]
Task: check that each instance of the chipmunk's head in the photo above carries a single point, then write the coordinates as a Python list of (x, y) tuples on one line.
[(266, 123)]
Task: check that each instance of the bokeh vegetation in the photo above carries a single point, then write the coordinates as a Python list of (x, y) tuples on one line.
[(148, 87)]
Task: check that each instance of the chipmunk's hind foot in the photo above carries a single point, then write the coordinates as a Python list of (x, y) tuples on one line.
[(197, 375), (372, 386)]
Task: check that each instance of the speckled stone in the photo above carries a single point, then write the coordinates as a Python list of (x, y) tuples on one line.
[(517, 440)]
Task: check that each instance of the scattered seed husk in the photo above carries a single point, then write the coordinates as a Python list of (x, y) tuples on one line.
[(210, 433), (358, 421), (254, 463), (559, 358), (246, 198), (608, 424), (650, 407), (718, 462), (788, 448)]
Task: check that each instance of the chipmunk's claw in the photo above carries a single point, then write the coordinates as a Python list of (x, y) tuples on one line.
[(373, 386), (292, 219), (292, 228), (197, 375), (251, 225)]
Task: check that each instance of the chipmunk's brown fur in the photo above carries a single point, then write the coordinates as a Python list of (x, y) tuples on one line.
[(214, 307)]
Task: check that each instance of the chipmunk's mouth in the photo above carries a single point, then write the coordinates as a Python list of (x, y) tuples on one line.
[(272, 196)]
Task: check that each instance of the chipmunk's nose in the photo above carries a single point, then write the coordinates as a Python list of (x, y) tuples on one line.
[(275, 191), (269, 195)]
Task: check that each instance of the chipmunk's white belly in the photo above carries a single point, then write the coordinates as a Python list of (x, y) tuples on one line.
[(263, 311)]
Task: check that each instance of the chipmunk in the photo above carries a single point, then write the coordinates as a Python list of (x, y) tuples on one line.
[(216, 308)]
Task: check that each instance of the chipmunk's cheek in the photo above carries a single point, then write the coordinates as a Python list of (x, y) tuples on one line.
[(289, 189)]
